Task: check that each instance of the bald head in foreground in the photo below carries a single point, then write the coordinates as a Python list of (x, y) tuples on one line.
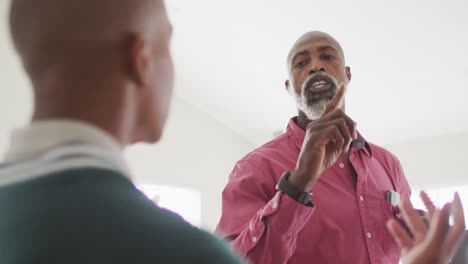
[(105, 62), (101, 73)]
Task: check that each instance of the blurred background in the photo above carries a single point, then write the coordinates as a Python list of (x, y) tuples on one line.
[(409, 91)]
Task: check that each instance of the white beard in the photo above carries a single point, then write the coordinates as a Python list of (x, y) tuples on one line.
[(312, 112)]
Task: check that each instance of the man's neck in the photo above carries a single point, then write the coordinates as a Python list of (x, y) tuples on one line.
[(93, 101), (302, 120), (93, 118)]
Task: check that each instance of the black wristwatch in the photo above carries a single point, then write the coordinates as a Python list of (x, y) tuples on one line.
[(293, 192)]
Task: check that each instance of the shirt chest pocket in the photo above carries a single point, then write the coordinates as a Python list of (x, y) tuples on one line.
[(379, 212)]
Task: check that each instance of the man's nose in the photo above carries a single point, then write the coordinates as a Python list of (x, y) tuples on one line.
[(316, 69)]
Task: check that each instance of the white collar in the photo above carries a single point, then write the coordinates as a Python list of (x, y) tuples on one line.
[(40, 136)]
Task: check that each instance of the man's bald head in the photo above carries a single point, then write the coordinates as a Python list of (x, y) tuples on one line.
[(105, 62), (45, 30), (313, 36)]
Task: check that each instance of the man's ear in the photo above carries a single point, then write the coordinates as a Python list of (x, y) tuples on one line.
[(139, 60), (287, 85), (348, 73)]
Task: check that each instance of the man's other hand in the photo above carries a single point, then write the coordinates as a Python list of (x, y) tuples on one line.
[(435, 243)]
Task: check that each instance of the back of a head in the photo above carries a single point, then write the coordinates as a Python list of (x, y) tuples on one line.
[(87, 43), (47, 31)]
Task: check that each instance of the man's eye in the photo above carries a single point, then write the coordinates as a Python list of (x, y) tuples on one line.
[(301, 64), (328, 57)]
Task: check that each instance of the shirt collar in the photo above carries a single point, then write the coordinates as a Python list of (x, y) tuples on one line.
[(298, 135), (40, 136)]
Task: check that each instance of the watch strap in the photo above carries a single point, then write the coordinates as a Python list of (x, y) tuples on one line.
[(296, 194)]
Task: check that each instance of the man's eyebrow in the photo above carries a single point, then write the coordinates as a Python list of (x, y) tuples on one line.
[(324, 48), (300, 53)]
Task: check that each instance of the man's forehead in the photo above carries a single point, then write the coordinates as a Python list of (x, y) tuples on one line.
[(312, 41)]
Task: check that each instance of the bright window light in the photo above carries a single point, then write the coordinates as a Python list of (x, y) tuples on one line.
[(185, 202)]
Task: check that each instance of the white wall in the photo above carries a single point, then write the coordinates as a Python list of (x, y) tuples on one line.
[(196, 152), (436, 161)]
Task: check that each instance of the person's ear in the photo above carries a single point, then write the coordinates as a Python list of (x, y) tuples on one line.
[(348, 73), (287, 85), (139, 61)]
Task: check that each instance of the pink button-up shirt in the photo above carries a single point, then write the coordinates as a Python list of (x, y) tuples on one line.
[(347, 224)]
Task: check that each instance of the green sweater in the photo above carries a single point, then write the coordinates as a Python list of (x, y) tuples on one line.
[(92, 215)]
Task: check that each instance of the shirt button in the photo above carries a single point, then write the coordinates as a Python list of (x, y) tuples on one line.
[(274, 205), (369, 235), (254, 239), (361, 198), (341, 165)]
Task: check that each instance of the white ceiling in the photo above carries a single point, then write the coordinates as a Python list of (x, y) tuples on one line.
[(409, 61)]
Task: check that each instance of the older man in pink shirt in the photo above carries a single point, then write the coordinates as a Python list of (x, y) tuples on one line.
[(319, 193)]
